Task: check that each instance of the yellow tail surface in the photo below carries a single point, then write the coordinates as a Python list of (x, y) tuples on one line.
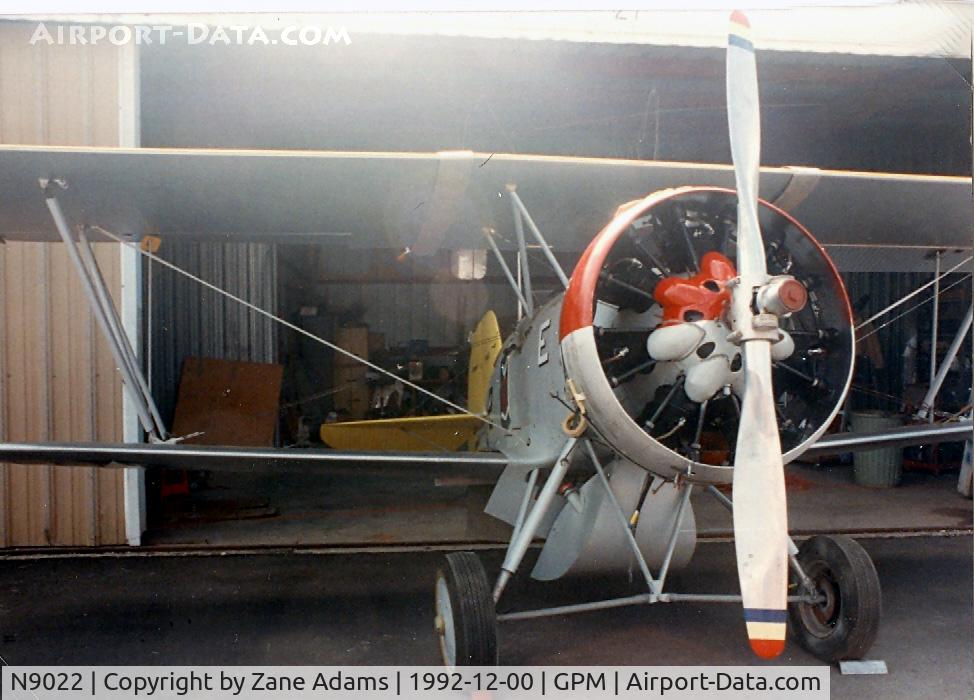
[(485, 346), (429, 433)]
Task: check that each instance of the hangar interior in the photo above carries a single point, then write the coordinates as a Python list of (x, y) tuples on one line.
[(290, 551), (414, 313)]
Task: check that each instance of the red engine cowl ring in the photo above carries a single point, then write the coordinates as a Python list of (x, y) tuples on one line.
[(663, 264)]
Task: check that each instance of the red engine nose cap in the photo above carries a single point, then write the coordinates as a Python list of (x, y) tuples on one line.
[(702, 297), (793, 295)]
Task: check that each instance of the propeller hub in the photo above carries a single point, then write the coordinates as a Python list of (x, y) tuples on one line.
[(783, 295), (793, 295)]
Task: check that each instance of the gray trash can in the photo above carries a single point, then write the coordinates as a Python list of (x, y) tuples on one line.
[(881, 468)]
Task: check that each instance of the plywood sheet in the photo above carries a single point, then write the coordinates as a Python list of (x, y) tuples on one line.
[(231, 402)]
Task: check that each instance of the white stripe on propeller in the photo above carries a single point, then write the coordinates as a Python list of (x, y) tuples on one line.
[(760, 513)]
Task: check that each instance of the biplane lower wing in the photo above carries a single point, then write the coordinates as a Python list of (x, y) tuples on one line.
[(922, 434), (257, 460), (487, 465)]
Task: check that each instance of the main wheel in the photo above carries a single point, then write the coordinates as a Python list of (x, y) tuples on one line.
[(466, 622), (843, 625)]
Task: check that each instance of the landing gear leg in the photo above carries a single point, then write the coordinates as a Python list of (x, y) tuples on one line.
[(466, 618), (523, 535), (844, 623)]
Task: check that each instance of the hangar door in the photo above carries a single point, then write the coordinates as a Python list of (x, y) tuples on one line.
[(57, 378)]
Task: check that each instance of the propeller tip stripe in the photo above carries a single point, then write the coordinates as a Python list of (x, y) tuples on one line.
[(740, 42), (768, 648), (765, 615), (738, 17), (740, 32), (766, 630)]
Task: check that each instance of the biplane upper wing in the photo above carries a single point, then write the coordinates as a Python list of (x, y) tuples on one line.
[(428, 201)]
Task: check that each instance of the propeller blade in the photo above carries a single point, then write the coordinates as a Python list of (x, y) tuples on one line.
[(760, 513), (744, 122)]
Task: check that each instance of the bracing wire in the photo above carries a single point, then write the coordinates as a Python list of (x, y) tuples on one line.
[(904, 299), (295, 328), (912, 308)]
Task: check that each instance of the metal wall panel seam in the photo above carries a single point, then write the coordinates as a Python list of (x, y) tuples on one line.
[(5, 512), (44, 343)]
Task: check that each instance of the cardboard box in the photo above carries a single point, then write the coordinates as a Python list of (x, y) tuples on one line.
[(377, 343), (351, 399), (354, 339)]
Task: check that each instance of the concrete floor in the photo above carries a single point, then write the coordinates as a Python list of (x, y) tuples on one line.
[(330, 511), (347, 609)]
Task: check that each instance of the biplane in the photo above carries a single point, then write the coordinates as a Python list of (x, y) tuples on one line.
[(704, 339)]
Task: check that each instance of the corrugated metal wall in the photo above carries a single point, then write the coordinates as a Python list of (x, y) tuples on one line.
[(57, 380), (189, 320), (434, 306), (870, 293), (442, 313)]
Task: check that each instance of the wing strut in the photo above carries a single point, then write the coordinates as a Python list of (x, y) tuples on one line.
[(522, 211), (99, 299), (926, 407)]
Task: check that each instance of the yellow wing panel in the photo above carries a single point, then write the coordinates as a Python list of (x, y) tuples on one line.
[(418, 434)]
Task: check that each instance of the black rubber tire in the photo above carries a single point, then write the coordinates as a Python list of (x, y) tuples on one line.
[(472, 604), (845, 626)]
